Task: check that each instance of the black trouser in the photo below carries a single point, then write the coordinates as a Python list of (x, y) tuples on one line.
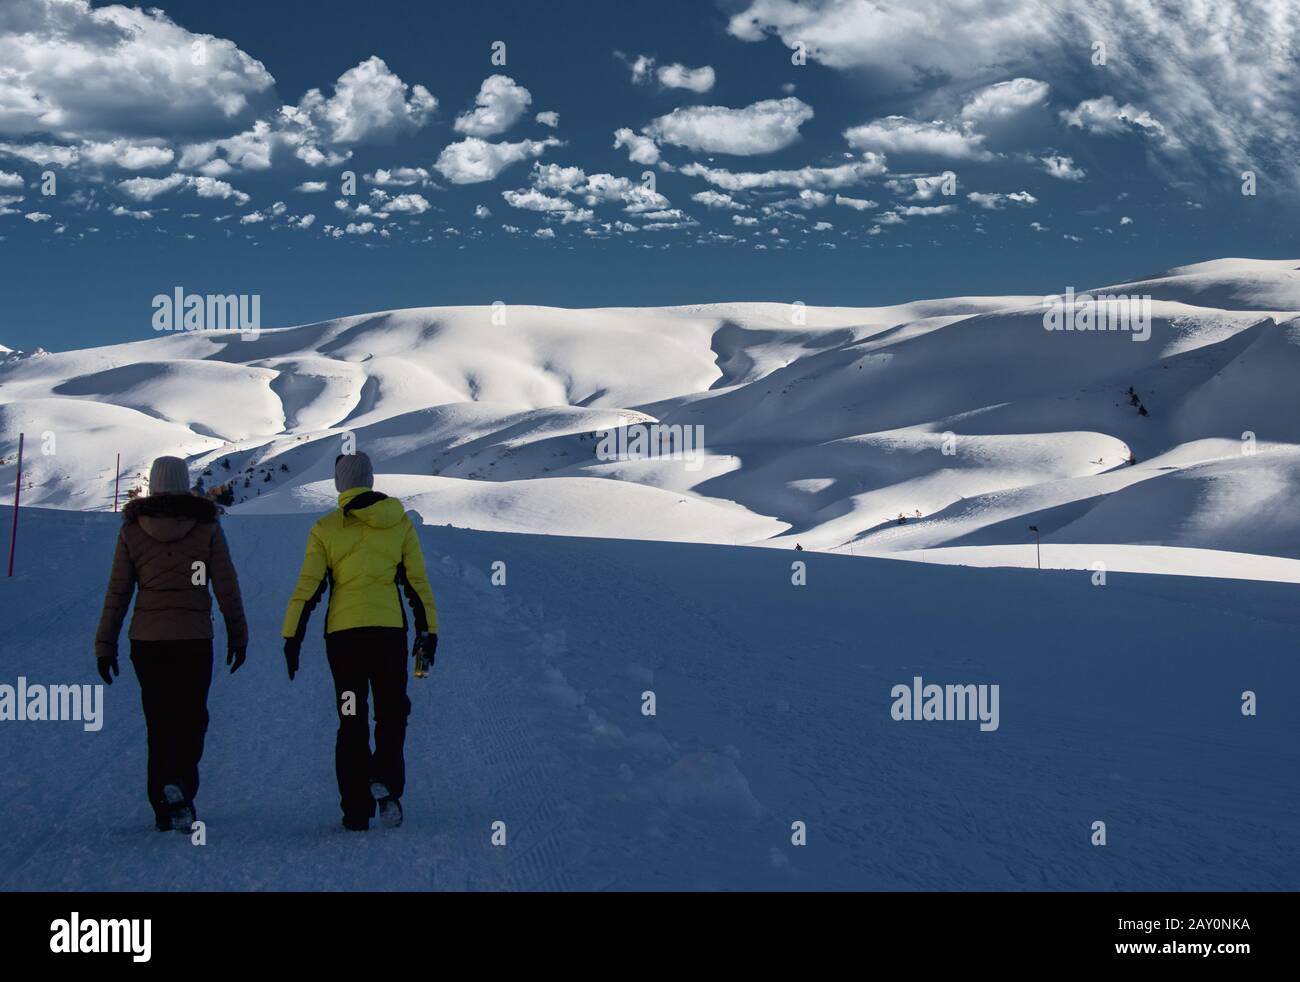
[(174, 680), (365, 659)]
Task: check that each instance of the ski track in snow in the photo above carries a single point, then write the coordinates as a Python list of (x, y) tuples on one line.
[(1119, 703)]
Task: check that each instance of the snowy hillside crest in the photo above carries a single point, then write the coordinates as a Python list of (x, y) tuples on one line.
[(938, 429)]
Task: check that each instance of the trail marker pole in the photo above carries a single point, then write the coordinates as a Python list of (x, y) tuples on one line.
[(1038, 546), (18, 490), (117, 480)]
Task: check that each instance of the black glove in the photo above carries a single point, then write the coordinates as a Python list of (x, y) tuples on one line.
[(107, 668), (291, 647), (235, 657), (427, 644)]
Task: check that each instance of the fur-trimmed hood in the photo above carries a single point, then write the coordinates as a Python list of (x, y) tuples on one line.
[(168, 517), (165, 539)]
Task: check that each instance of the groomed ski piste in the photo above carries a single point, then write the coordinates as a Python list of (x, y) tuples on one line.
[(1118, 703), (1168, 592)]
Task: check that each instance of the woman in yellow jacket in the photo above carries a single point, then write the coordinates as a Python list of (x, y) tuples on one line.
[(365, 552)]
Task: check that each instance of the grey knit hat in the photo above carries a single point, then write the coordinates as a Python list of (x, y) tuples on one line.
[(169, 475), (353, 470)]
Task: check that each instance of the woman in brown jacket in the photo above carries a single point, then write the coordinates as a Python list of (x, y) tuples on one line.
[(169, 548)]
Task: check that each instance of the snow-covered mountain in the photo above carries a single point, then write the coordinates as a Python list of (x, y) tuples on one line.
[(821, 426)]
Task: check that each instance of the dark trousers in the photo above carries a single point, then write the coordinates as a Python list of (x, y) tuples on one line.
[(365, 660), (174, 680)]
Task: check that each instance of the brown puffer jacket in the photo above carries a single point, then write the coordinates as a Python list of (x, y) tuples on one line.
[(162, 537)]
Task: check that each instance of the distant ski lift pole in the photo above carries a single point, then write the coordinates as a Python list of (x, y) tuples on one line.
[(18, 490), (1038, 546)]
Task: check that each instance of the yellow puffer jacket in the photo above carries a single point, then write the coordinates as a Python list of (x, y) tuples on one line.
[(365, 551)]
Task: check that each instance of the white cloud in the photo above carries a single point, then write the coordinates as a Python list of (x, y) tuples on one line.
[(252, 218), (125, 154), (311, 187), (995, 200), (554, 177), (499, 105), (251, 150), (763, 127), (842, 175), (121, 212), (112, 71), (640, 149), (408, 204), (10, 180), (717, 199), (1003, 100), (677, 76), (1106, 116), (674, 76), (640, 66), (857, 204), (37, 216), (148, 188), (550, 180), (482, 211), (210, 187), (472, 161), (600, 188), (1062, 167), (924, 187), (41, 153), (900, 41), (668, 215), (1215, 78), (549, 118), (902, 135), (807, 200), (369, 104), (399, 177), (545, 233), (925, 211), (533, 200)]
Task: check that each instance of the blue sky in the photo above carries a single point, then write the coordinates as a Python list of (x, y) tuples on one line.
[(184, 143)]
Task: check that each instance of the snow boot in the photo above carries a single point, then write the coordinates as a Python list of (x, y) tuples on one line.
[(356, 824), (390, 809), (182, 811)]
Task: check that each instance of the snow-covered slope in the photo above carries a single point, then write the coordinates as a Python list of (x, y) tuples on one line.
[(1118, 703), (943, 424)]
